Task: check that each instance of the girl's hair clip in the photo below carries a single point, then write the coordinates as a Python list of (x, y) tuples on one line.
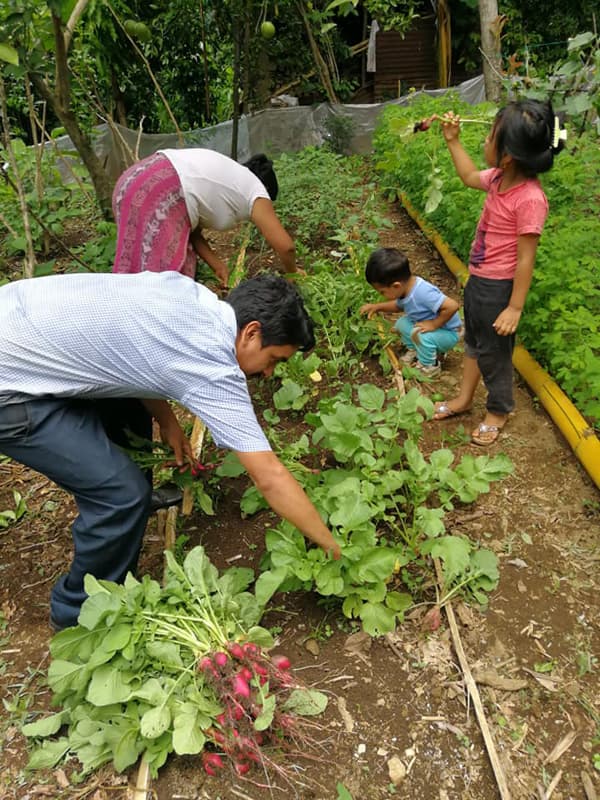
[(560, 134)]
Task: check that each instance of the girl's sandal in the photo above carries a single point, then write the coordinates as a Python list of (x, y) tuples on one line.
[(485, 435), (443, 411)]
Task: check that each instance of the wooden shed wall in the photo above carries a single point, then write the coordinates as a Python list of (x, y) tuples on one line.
[(411, 60)]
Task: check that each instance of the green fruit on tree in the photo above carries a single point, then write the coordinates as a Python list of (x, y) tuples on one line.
[(143, 32), (137, 30), (267, 30)]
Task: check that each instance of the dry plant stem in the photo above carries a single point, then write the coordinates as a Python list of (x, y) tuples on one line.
[(136, 153), (38, 149), (322, 68), (142, 783), (8, 226), (196, 441), (392, 357), (553, 784), (473, 692), (30, 260)]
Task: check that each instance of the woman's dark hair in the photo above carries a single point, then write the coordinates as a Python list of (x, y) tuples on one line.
[(278, 306), (262, 167), (525, 130), (386, 266)]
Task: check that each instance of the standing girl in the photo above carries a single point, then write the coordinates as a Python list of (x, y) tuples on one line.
[(523, 141), (164, 204)]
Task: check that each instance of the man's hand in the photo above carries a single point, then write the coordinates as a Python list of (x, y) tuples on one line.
[(507, 321), (172, 434)]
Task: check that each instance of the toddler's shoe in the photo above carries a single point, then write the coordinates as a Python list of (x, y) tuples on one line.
[(431, 370), (408, 357)]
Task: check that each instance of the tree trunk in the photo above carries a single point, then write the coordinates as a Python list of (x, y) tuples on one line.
[(103, 186), (491, 27)]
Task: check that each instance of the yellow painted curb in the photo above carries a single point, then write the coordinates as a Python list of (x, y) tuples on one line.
[(564, 414)]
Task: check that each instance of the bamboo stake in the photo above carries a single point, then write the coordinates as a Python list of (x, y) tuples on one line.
[(392, 357), (142, 784), (473, 692)]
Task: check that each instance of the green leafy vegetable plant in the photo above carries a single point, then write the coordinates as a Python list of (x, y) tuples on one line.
[(150, 671), (385, 502)]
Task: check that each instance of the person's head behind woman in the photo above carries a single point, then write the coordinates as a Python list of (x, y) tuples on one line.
[(262, 167), (526, 131)]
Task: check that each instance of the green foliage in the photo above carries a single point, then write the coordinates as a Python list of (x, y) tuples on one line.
[(573, 85), (560, 323), (385, 503), (129, 677), (9, 516), (303, 207), (64, 197)]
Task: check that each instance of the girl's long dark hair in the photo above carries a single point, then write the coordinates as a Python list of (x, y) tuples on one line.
[(524, 129)]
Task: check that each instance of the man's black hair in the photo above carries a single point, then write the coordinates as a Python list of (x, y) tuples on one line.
[(262, 167), (386, 266), (278, 306)]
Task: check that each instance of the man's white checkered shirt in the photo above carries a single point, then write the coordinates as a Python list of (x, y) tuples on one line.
[(149, 335)]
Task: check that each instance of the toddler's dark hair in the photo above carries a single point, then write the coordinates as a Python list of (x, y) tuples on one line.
[(386, 266), (262, 167), (524, 129)]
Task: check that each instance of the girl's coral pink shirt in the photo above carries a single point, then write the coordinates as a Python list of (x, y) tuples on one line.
[(505, 216)]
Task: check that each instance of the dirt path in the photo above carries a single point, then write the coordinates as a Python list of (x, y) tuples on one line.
[(403, 696)]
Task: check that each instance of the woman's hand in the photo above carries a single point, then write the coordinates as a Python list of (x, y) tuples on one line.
[(221, 271)]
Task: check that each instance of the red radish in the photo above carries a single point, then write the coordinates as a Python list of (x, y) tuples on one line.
[(221, 719), (281, 662), (246, 674), (250, 649), (211, 762), (260, 669), (236, 651), (238, 711), (220, 659), (432, 619), (242, 767), (240, 687)]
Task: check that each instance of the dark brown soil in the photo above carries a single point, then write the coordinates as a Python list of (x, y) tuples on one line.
[(402, 695)]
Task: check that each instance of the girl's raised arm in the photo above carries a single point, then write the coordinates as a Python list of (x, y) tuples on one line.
[(465, 168)]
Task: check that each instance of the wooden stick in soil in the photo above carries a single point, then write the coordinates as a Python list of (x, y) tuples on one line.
[(196, 441), (473, 692), (392, 357)]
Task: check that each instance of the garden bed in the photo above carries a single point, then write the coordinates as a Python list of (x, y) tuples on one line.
[(397, 695)]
